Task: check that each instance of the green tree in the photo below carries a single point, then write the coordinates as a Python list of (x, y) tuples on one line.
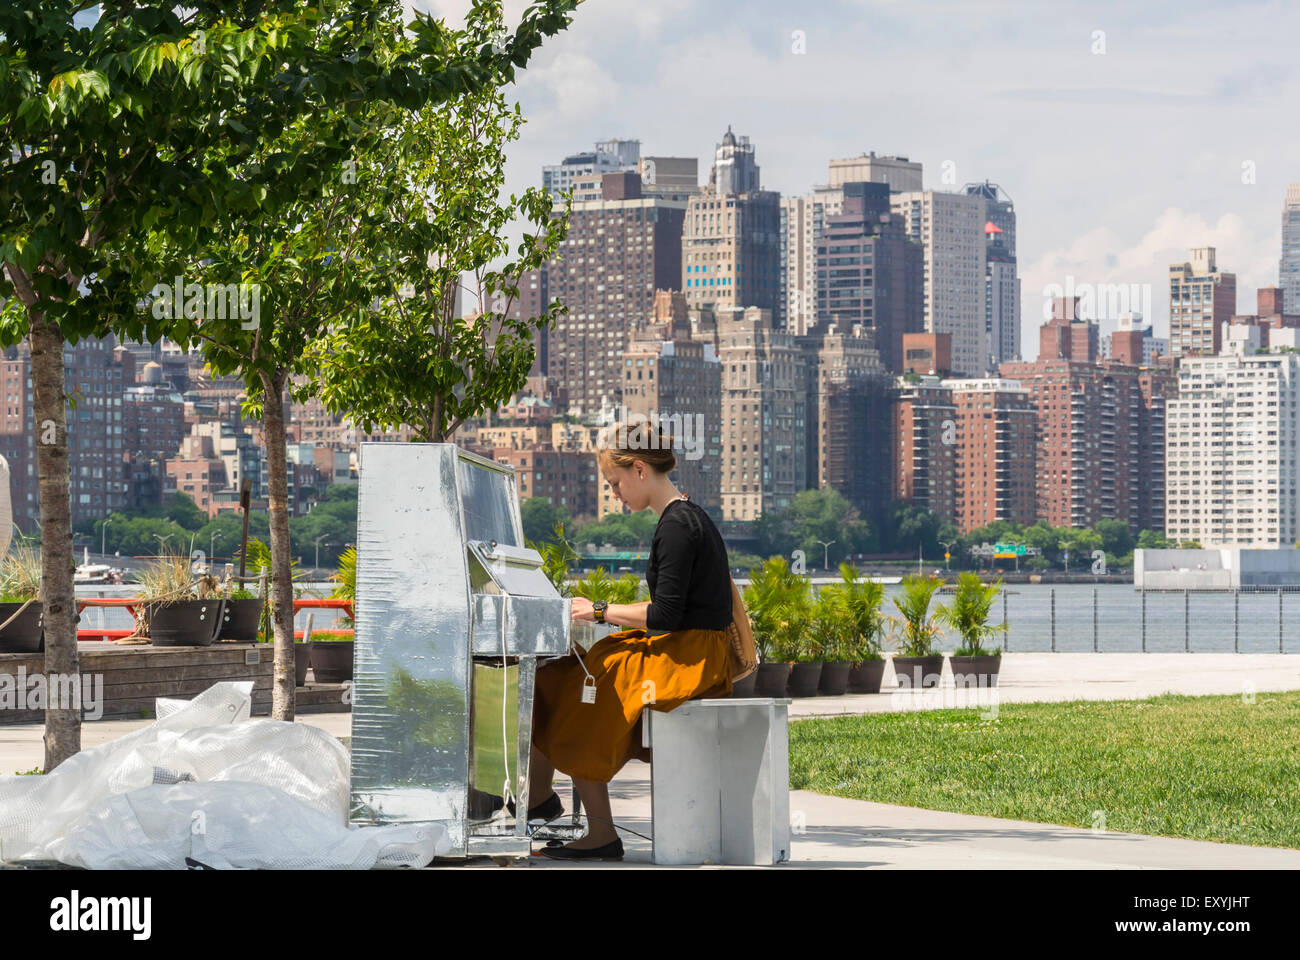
[(413, 360), (818, 517), (540, 517), (619, 530), (143, 125), (1116, 538)]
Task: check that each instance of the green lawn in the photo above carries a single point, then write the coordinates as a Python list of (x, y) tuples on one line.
[(1205, 768)]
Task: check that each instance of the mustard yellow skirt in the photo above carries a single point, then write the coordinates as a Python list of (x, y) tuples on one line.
[(632, 670)]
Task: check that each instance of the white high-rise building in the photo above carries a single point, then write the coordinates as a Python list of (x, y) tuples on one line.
[(1231, 451), (802, 219), (950, 229)]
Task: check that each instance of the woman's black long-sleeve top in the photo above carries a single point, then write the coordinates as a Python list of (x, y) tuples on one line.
[(687, 572)]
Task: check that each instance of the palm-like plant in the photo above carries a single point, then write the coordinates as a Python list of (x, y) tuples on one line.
[(915, 629), (599, 585), (776, 600), (557, 556), (862, 611), (830, 633), (967, 613)]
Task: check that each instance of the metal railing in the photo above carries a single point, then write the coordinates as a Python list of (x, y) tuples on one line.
[(1118, 619)]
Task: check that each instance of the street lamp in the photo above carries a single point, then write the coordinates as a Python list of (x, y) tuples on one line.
[(211, 537), (1065, 549), (826, 554), (947, 552), (161, 540), (318, 540), (102, 527)]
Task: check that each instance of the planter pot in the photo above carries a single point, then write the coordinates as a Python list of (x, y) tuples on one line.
[(745, 688), (301, 661), (239, 622), (834, 679), (772, 679), (919, 671), (185, 623), (25, 634), (804, 678), (331, 661), (975, 671), (865, 677)]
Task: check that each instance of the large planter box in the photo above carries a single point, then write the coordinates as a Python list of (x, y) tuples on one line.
[(124, 681)]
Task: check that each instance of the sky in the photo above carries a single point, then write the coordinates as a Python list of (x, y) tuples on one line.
[(1125, 133)]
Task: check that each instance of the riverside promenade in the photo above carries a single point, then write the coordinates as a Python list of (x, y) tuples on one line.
[(838, 832)]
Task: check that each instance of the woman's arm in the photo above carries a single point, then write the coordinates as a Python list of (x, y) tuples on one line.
[(619, 614)]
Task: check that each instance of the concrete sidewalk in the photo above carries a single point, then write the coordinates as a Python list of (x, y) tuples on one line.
[(855, 833)]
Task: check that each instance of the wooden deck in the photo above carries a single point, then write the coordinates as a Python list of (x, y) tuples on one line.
[(134, 676)]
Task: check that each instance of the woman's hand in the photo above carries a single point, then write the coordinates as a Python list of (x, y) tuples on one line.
[(582, 609)]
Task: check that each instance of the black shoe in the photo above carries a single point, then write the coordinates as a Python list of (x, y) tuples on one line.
[(610, 851), (483, 805), (552, 808)]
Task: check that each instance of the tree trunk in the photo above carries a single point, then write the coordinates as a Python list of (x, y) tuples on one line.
[(62, 726), (282, 691)]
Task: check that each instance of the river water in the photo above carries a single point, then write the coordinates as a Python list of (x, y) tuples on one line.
[(1070, 618)]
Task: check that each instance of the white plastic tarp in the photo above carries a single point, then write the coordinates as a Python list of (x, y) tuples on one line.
[(204, 783)]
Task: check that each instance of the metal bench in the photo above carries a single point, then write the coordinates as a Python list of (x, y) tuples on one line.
[(720, 781)]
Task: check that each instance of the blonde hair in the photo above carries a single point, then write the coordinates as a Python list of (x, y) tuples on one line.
[(623, 444)]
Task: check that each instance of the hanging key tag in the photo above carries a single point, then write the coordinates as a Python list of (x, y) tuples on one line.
[(589, 690)]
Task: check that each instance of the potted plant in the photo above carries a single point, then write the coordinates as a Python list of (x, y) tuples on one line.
[(862, 602), (242, 615), (20, 601), (770, 599), (967, 613), (915, 630), (829, 623), (177, 609), (809, 645), (331, 656)]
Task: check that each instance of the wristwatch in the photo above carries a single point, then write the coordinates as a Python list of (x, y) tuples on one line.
[(599, 607)]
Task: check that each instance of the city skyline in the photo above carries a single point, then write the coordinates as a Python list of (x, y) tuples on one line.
[(1067, 153)]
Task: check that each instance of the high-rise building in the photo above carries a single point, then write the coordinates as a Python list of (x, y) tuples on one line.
[(1001, 284), (731, 239), (676, 382), (618, 252), (1201, 298), (1288, 270), (1093, 419), (900, 174), (95, 375), (848, 417), (764, 430), (803, 218), (995, 452), (950, 229), (1231, 451), (869, 272), (925, 428)]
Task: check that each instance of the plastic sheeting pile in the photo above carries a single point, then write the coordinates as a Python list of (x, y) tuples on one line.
[(204, 786)]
